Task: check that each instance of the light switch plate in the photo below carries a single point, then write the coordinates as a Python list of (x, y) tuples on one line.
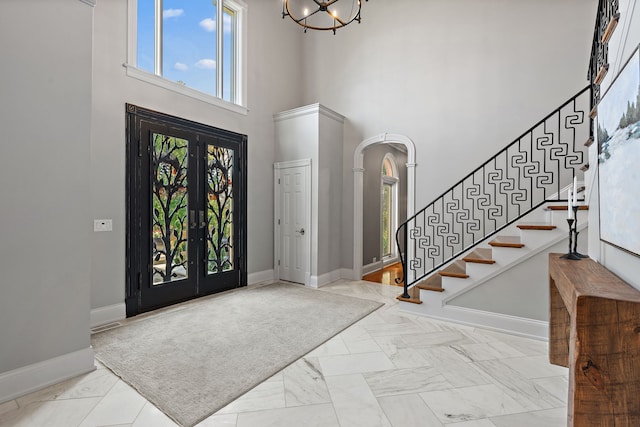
[(102, 225)]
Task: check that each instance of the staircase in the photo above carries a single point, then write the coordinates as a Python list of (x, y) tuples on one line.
[(503, 213)]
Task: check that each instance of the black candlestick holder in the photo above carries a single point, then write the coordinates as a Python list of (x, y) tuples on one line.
[(571, 254), (575, 234)]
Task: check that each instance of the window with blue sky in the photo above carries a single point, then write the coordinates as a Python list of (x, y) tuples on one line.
[(181, 44)]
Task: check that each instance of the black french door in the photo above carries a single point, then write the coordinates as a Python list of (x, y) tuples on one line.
[(186, 210)]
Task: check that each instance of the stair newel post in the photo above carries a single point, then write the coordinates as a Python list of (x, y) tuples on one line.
[(403, 258)]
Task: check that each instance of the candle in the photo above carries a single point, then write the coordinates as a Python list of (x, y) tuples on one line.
[(575, 191), (568, 204)]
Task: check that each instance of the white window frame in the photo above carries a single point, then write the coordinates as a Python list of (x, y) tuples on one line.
[(240, 57), (392, 181)]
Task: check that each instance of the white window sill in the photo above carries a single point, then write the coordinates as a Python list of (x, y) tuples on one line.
[(183, 90)]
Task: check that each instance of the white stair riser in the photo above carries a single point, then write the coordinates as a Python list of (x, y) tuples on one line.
[(477, 270), (504, 256), (455, 283), (536, 238), (559, 218)]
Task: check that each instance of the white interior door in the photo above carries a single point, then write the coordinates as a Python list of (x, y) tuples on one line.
[(294, 223)]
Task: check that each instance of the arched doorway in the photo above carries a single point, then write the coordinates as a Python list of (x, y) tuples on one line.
[(358, 172)]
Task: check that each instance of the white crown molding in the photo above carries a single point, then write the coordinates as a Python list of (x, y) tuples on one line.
[(91, 3), (309, 110)]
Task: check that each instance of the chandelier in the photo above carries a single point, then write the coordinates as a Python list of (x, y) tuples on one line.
[(322, 15)]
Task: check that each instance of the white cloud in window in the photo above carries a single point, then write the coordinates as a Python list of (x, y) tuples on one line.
[(207, 64), (208, 25), (180, 66), (172, 13)]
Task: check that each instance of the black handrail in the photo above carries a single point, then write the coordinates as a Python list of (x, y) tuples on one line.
[(518, 179)]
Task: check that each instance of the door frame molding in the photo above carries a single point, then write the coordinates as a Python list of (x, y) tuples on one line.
[(358, 188), (277, 167)]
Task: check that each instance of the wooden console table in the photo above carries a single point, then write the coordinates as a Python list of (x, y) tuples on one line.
[(594, 330)]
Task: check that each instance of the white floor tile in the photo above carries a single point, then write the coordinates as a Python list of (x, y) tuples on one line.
[(485, 351), (558, 387), (408, 410), (354, 403), (535, 367), (54, 413), (355, 363), (150, 416), (333, 347), (226, 420), (399, 381), (548, 418), (469, 403), (121, 405), (268, 395), (308, 416), (304, 383), (475, 423)]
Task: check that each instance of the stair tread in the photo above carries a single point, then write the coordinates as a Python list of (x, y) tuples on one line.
[(456, 269), (430, 288), (411, 300), (414, 294), (564, 207), (536, 226), (480, 256), (433, 281), (507, 242), (452, 274)]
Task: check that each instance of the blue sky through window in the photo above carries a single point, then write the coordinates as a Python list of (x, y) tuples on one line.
[(189, 43)]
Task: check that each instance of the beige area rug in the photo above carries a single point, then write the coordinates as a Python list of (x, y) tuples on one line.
[(192, 361)]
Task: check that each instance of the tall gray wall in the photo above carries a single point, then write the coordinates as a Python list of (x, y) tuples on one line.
[(45, 122)]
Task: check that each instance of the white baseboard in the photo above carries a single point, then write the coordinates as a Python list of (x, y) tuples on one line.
[(108, 314), (520, 326), (346, 273), (260, 277), (370, 268), (388, 261), (28, 379), (325, 279)]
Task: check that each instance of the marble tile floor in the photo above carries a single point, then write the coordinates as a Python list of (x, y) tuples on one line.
[(389, 369)]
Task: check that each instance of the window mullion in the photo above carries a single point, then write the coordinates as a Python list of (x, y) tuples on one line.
[(157, 64), (219, 45)]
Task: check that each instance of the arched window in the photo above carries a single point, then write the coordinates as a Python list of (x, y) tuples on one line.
[(389, 206)]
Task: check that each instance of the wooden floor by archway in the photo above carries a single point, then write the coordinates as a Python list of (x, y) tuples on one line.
[(386, 276)]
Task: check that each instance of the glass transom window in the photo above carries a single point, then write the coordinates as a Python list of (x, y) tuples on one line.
[(192, 43)]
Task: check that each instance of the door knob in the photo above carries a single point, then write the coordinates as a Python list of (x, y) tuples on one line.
[(301, 231)]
